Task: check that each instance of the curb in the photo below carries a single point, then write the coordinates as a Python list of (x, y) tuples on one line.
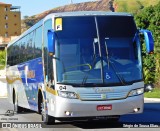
[(152, 99)]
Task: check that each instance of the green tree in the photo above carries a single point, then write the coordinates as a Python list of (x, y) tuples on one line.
[(29, 22), (26, 17), (2, 59), (149, 18)]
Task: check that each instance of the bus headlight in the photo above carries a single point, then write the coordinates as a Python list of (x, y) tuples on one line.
[(66, 94), (136, 92)]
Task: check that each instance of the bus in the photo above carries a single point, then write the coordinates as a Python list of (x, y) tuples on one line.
[(78, 65)]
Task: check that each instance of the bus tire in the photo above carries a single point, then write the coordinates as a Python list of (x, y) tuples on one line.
[(47, 119), (17, 108)]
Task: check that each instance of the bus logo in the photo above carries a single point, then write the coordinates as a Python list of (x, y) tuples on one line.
[(103, 90), (103, 96)]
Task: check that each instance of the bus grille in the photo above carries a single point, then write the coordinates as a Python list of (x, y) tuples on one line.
[(103, 96)]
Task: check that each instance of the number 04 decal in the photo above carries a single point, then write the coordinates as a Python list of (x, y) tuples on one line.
[(62, 87)]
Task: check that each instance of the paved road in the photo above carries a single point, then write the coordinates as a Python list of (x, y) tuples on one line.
[(150, 116)]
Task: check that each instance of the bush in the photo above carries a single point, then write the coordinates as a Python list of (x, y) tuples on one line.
[(2, 59), (149, 18)]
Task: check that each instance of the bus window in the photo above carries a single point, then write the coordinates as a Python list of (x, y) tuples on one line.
[(29, 46), (20, 51), (16, 59), (9, 57), (47, 58), (38, 42), (23, 56)]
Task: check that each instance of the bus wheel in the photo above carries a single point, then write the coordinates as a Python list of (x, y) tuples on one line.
[(47, 119), (17, 108)]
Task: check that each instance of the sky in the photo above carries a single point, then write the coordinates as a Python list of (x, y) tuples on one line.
[(33, 7)]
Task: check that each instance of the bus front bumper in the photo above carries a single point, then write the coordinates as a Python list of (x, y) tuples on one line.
[(76, 108)]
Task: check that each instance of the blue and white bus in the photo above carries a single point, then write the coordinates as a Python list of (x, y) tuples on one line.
[(77, 65)]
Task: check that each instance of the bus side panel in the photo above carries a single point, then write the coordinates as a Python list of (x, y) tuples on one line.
[(32, 76), (16, 90)]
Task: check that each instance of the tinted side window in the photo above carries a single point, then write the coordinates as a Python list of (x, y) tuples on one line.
[(14, 55), (23, 49), (38, 42), (20, 51), (16, 52), (9, 56), (29, 46), (48, 65)]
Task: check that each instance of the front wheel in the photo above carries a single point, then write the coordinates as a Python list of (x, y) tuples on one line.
[(17, 108), (47, 119)]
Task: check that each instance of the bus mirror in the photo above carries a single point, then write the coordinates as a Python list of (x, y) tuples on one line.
[(148, 40), (51, 41)]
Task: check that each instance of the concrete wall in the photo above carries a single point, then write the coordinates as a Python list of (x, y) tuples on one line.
[(3, 84), (3, 90)]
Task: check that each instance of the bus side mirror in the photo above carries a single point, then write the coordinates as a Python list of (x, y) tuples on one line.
[(51, 42), (148, 40)]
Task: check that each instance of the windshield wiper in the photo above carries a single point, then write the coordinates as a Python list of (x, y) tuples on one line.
[(107, 53), (120, 77)]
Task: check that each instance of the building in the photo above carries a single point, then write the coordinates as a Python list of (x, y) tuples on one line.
[(10, 23)]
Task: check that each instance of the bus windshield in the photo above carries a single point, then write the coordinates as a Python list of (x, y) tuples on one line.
[(97, 50)]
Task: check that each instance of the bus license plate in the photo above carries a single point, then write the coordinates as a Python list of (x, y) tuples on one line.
[(104, 107)]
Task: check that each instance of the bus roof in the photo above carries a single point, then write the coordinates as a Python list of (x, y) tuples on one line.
[(67, 14), (90, 13)]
